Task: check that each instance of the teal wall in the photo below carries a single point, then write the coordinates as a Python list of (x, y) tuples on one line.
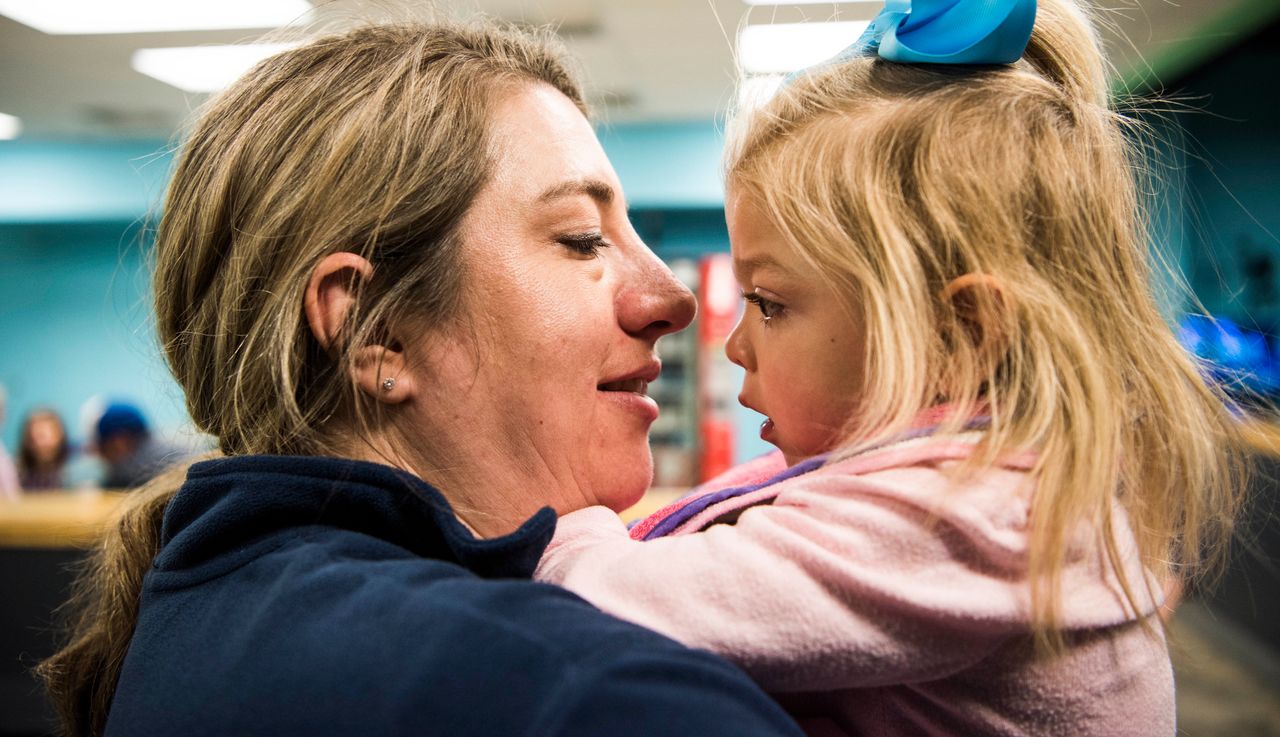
[(667, 166), (74, 323), (60, 182), (73, 284), (663, 166)]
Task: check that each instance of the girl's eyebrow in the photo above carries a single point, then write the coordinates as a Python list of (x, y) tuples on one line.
[(745, 267)]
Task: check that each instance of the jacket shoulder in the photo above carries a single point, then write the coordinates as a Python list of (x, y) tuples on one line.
[(328, 633)]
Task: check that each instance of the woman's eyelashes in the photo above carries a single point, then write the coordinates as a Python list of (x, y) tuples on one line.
[(584, 244), (768, 308)]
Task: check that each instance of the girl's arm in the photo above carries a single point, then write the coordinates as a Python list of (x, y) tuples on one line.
[(842, 582)]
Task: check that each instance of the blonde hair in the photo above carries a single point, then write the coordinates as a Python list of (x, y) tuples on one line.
[(893, 180), (375, 142)]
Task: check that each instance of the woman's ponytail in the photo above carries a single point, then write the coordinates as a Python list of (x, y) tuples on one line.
[(81, 677)]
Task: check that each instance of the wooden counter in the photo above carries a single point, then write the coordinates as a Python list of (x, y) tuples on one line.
[(56, 519), (654, 499), (73, 519)]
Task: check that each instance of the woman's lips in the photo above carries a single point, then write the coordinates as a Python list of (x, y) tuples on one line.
[(636, 385), (641, 405), (629, 392)]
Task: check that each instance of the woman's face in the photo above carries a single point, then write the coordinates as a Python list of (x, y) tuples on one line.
[(538, 397)]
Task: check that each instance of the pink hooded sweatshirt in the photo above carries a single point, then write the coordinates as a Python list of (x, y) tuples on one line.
[(878, 595)]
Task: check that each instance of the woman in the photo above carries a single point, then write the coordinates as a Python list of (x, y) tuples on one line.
[(386, 258), (43, 451)]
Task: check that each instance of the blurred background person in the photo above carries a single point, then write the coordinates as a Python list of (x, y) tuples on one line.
[(133, 456), (9, 486), (43, 451)]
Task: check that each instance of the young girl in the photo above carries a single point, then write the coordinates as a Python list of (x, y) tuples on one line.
[(993, 450)]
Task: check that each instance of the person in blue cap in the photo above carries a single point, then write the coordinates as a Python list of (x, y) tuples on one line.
[(132, 455)]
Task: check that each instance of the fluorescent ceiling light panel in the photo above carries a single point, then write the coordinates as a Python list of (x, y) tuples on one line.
[(142, 16), (10, 127), (202, 68), (786, 47)]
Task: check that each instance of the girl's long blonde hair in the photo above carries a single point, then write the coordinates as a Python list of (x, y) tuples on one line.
[(892, 180), (374, 141)]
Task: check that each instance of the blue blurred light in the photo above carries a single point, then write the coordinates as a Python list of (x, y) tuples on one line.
[(1236, 356)]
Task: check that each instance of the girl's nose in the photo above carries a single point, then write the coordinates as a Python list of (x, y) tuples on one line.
[(652, 301), (737, 348)]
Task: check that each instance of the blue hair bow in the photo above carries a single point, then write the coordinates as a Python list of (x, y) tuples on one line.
[(948, 32)]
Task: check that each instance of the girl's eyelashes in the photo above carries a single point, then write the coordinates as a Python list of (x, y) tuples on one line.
[(768, 308), (584, 244)]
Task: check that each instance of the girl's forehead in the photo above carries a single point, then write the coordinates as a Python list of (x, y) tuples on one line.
[(757, 245)]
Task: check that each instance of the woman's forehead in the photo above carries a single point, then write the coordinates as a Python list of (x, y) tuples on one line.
[(546, 148)]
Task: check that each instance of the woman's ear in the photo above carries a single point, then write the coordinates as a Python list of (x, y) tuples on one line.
[(379, 370), (985, 308), (331, 294)]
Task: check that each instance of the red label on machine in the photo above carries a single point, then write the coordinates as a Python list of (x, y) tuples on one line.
[(720, 300)]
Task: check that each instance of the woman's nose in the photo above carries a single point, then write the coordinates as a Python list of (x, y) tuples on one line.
[(652, 301)]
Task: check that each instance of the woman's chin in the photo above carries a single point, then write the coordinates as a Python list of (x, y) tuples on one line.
[(624, 502), (622, 487)]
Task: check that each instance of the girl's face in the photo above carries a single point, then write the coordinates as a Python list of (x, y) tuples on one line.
[(802, 350)]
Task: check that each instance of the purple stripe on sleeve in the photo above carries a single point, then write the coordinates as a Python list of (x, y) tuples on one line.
[(690, 510)]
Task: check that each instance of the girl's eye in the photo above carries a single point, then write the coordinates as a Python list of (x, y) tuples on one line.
[(584, 244), (768, 308)]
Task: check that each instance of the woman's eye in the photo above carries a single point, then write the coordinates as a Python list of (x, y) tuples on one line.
[(585, 244), (768, 308)]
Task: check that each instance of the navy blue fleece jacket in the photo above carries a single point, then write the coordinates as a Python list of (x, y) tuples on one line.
[(317, 596)]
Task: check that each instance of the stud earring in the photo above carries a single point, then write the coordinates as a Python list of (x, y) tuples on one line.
[(388, 384)]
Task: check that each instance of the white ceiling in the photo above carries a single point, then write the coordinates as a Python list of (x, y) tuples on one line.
[(645, 60)]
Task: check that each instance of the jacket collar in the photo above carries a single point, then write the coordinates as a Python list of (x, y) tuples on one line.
[(228, 502)]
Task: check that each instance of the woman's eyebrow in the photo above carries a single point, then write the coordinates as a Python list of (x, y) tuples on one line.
[(596, 189)]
